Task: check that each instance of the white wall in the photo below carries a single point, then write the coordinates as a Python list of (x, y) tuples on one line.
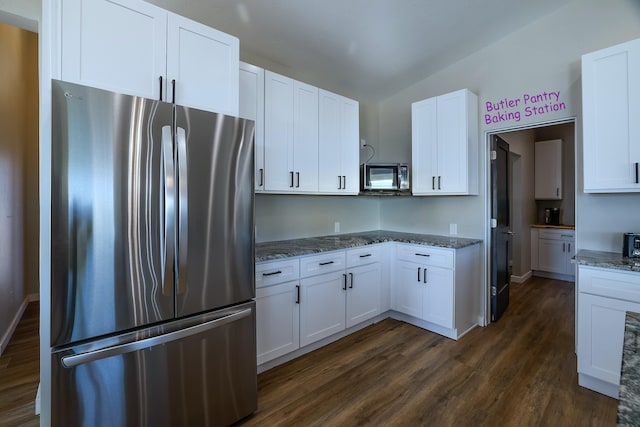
[(19, 142), (542, 57)]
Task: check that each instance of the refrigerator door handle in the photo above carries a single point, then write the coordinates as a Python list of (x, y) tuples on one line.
[(103, 353), (182, 209), (169, 212)]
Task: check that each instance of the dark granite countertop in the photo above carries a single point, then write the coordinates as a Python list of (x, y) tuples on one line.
[(629, 404), (266, 251), (611, 260)]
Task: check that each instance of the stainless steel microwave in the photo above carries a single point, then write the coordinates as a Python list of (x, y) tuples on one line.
[(384, 177)]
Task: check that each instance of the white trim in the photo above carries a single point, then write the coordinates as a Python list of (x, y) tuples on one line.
[(12, 327), (486, 154), (523, 278)]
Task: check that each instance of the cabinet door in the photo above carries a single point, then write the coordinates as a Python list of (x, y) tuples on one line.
[(251, 106), (438, 296), (277, 320), (424, 148), (551, 256), (278, 132), (305, 137), (452, 150), (115, 45), (338, 144), (601, 335), (204, 63), (610, 106), (548, 170), (322, 306), (408, 289), (363, 293)]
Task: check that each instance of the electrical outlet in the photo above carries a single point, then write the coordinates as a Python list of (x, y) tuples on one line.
[(336, 227), (363, 143), (453, 229)]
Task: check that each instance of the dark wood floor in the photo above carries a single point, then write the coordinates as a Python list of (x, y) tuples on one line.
[(520, 371), (20, 372)]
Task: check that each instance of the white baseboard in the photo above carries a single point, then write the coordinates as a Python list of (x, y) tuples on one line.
[(523, 278), (12, 327)]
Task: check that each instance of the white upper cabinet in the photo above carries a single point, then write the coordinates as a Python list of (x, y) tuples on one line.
[(445, 144), (548, 170), (133, 47), (204, 63), (610, 109), (338, 144), (291, 135), (251, 106), (129, 58)]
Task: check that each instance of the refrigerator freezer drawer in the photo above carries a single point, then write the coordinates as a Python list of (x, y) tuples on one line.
[(201, 374)]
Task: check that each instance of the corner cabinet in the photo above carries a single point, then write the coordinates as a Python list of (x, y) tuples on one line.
[(153, 54), (610, 108), (251, 106), (338, 144), (291, 135), (444, 145), (436, 287)]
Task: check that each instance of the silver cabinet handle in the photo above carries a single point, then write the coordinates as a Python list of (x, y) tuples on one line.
[(92, 356), (183, 231), (169, 211), (350, 280)]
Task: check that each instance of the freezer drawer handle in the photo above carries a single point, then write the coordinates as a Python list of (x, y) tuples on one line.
[(272, 273), (92, 356)]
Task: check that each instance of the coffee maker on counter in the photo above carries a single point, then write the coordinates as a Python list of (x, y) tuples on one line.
[(552, 216)]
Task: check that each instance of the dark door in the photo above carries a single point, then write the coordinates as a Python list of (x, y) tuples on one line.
[(500, 233)]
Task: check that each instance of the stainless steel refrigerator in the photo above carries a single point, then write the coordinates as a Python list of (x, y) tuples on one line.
[(152, 282)]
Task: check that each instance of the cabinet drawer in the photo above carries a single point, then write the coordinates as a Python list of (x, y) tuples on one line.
[(426, 255), (608, 283), (322, 263), (273, 272), (556, 234), (364, 255)]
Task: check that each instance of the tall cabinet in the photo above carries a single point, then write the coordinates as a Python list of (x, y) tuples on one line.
[(444, 144), (291, 135), (338, 144), (152, 53), (252, 107), (610, 109)]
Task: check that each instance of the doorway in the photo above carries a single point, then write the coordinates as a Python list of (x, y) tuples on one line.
[(524, 209)]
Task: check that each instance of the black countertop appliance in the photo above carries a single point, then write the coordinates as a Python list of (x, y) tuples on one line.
[(552, 216)]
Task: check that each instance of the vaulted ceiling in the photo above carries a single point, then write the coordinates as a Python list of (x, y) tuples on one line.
[(367, 49)]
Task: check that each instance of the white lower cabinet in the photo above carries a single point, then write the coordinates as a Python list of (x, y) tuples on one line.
[(551, 252), (604, 297), (322, 306), (277, 309), (436, 294)]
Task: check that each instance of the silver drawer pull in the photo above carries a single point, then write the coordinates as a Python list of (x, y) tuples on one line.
[(272, 273), (326, 263)]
